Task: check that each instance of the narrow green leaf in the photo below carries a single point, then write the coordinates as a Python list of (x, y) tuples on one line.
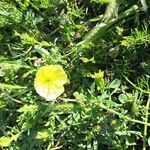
[(148, 141), (102, 1), (41, 51), (11, 87)]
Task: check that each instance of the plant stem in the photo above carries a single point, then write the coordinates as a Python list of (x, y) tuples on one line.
[(146, 113), (138, 88), (146, 120), (122, 116), (145, 7)]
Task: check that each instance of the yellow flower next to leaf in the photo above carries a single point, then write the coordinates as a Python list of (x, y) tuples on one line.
[(49, 81)]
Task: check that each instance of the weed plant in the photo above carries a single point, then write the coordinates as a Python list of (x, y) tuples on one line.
[(103, 46)]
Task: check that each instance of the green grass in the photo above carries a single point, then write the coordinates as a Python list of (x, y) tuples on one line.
[(103, 48)]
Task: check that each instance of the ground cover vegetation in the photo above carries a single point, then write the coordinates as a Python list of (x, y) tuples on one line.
[(102, 48)]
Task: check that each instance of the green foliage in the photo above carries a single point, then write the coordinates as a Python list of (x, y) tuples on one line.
[(9, 14), (103, 47)]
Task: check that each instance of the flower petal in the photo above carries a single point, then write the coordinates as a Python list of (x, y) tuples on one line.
[(49, 81), (49, 91)]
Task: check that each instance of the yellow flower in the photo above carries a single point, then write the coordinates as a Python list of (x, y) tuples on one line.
[(49, 81)]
